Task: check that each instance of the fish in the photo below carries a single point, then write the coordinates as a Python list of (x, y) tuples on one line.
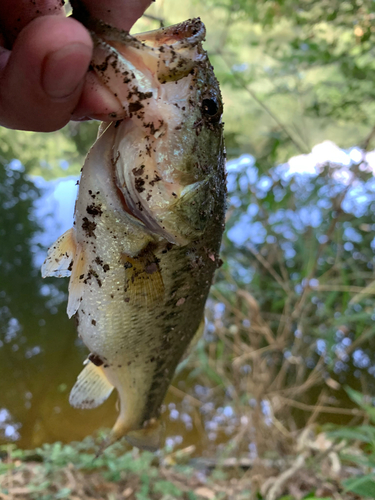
[(148, 222)]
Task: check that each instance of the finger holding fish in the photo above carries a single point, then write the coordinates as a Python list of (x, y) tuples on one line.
[(44, 57)]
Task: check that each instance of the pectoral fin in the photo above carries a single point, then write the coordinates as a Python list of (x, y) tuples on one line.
[(193, 221), (76, 283), (143, 280), (91, 389), (60, 256), (66, 258)]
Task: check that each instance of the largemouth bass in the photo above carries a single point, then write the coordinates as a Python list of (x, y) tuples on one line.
[(148, 222)]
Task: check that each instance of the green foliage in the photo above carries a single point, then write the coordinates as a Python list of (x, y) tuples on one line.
[(363, 433), (113, 465), (167, 488), (362, 401), (299, 69), (52, 155), (310, 497), (82, 455), (363, 486), (364, 437)]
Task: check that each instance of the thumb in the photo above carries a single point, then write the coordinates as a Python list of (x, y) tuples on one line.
[(41, 79)]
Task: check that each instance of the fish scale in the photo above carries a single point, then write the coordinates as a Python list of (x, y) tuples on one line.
[(148, 222)]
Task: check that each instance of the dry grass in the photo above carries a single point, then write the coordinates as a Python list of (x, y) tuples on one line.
[(316, 467)]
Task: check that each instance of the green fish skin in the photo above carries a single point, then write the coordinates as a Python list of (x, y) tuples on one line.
[(148, 222)]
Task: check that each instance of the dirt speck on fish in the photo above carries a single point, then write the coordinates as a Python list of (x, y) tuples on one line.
[(149, 219)]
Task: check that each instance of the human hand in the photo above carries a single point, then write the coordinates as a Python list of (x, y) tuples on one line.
[(44, 58)]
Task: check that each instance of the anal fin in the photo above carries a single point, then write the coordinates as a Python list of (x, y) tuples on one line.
[(60, 256), (91, 389)]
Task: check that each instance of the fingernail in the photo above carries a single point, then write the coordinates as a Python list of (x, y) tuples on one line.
[(64, 70), (108, 105), (99, 102)]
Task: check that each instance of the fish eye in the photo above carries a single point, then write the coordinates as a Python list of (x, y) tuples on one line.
[(211, 108)]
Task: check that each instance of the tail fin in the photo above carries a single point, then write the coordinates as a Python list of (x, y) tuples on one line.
[(149, 438)]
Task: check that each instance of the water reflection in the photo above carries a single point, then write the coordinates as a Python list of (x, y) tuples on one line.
[(54, 211), (8, 428)]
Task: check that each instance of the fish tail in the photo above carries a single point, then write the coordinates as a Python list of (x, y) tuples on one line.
[(119, 430), (149, 438)]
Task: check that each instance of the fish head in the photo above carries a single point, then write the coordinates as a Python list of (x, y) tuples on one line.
[(168, 152)]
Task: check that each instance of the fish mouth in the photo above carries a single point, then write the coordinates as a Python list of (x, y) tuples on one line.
[(167, 53), (179, 47)]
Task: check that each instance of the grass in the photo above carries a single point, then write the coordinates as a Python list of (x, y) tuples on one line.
[(333, 465)]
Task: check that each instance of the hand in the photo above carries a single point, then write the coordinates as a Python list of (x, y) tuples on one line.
[(44, 58)]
